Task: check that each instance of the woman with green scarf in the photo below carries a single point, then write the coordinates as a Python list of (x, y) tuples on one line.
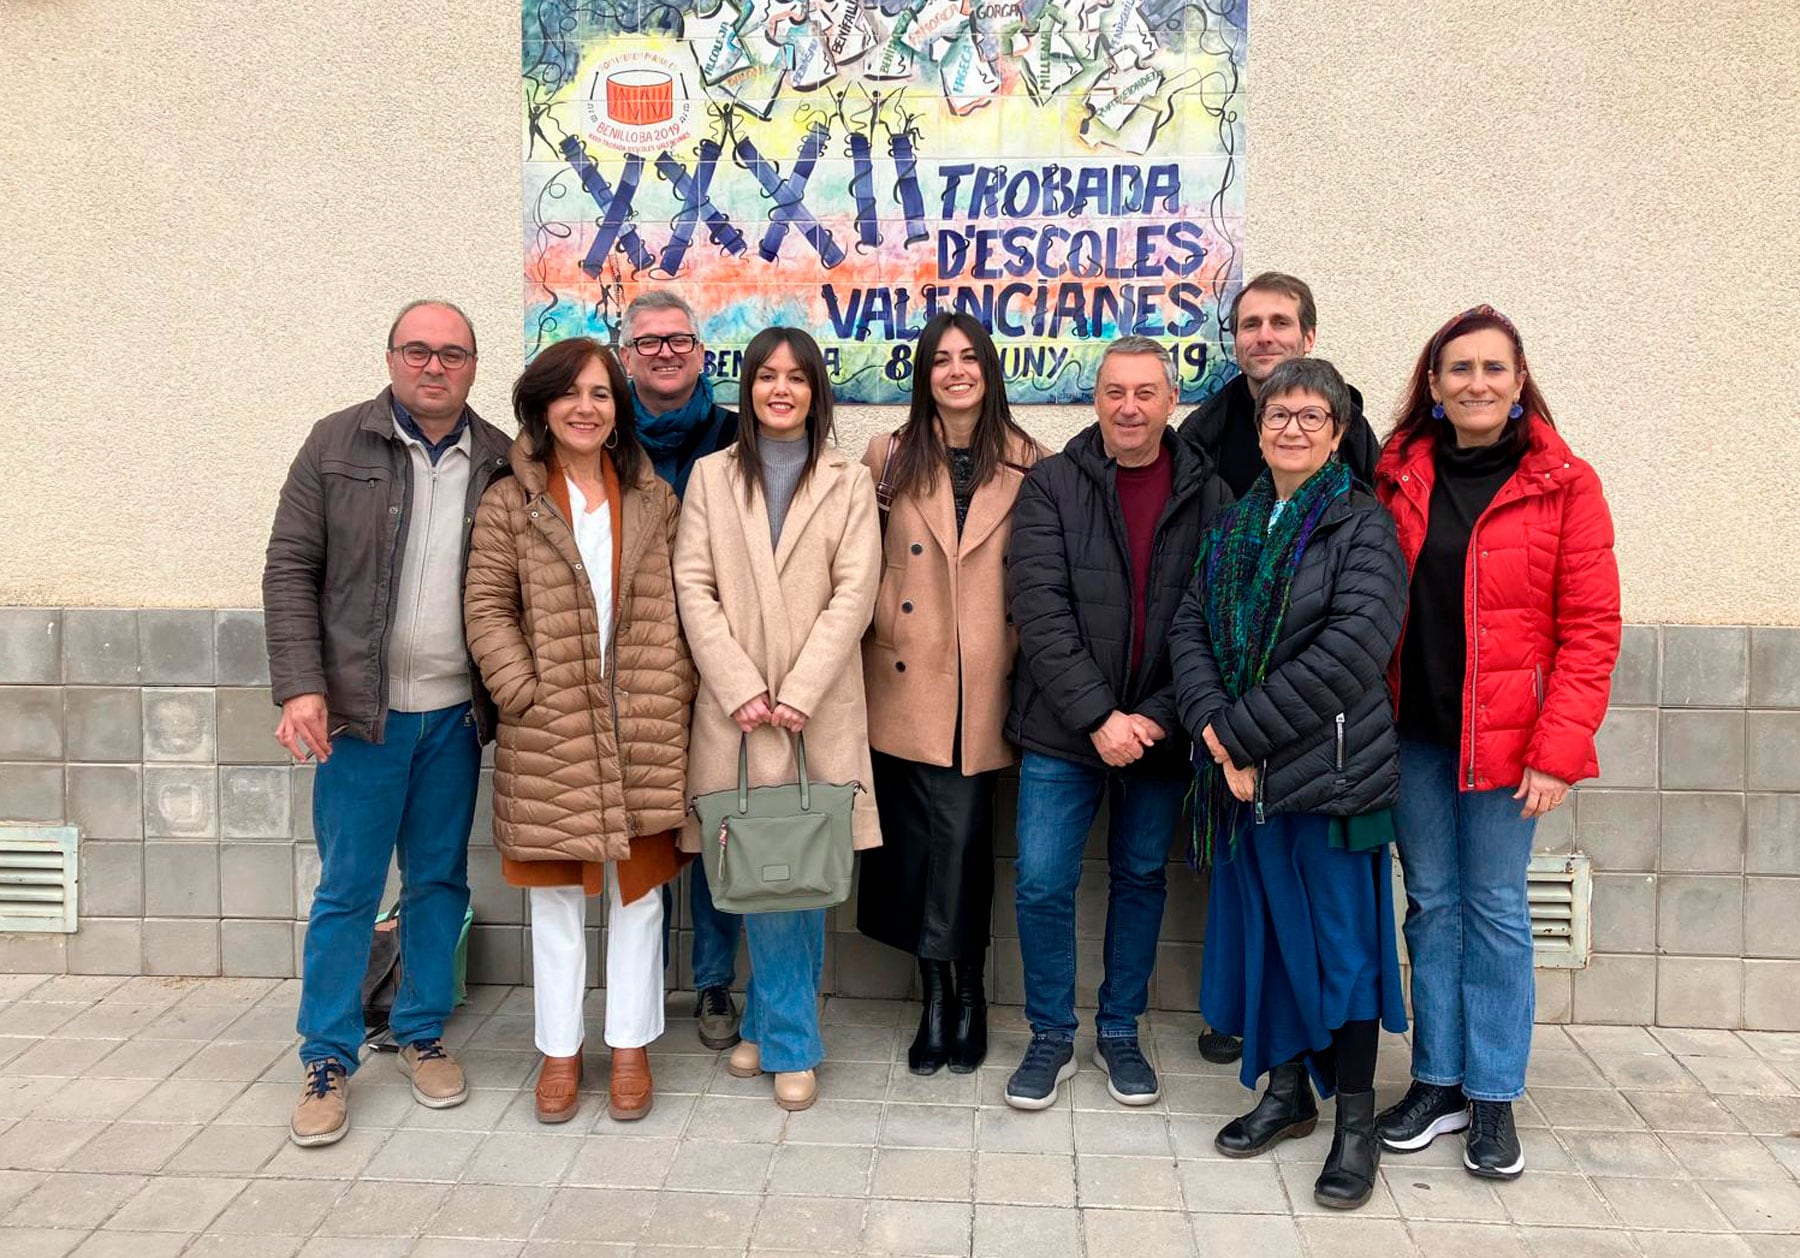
[(1280, 653)]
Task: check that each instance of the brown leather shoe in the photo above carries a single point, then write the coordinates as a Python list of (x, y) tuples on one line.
[(322, 1115), (559, 1088), (631, 1092), (437, 1081)]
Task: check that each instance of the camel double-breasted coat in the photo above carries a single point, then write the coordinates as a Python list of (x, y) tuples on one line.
[(785, 620)]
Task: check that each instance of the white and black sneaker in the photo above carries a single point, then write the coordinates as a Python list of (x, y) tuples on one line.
[(1493, 1150), (1049, 1062), (1427, 1111)]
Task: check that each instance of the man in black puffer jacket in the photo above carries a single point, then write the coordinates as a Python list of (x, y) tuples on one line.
[(1102, 551)]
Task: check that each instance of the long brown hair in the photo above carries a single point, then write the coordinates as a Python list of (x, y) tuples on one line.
[(550, 375), (818, 411), (1415, 417), (920, 453)]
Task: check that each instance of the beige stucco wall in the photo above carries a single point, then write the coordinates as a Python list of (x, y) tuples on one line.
[(208, 213)]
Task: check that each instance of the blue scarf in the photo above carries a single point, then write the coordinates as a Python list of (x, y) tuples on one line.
[(675, 439)]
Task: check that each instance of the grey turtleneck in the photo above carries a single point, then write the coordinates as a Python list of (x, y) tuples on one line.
[(783, 464)]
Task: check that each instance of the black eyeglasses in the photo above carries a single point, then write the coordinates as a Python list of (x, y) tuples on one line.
[(419, 354), (679, 343), (1275, 418)]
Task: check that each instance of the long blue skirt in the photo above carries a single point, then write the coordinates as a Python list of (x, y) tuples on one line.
[(1299, 940)]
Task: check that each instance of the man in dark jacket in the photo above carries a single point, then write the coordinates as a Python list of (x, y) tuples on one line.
[(1273, 319), (1102, 551), (362, 601), (679, 423)]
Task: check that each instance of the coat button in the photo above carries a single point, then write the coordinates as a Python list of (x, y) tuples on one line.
[(393, 510), (906, 607), (917, 549), (578, 567), (899, 666), (1405, 476), (534, 515)]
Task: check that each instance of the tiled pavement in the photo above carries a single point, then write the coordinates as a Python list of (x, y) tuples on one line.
[(146, 1117)]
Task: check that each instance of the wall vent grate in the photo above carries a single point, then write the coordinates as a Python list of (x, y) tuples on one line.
[(1561, 893), (38, 867)]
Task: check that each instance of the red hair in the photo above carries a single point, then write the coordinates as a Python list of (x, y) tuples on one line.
[(1414, 416)]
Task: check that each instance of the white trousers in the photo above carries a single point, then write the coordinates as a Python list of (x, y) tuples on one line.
[(634, 970)]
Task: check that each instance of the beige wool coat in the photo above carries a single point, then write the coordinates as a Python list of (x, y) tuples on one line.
[(588, 758), (941, 637), (787, 620)]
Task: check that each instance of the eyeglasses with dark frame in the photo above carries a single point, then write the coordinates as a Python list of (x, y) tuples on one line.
[(417, 354), (1311, 418), (678, 343)]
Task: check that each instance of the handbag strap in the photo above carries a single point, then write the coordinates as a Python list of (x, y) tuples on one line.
[(743, 799), (884, 485)]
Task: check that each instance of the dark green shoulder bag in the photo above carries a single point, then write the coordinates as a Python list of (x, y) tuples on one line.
[(777, 849)]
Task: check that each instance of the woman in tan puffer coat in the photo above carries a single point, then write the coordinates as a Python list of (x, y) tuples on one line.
[(570, 613)]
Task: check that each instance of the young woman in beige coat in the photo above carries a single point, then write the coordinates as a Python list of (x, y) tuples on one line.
[(937, 663), (570, 613), (776, 567)]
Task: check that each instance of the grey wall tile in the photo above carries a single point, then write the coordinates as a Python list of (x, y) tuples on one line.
[(866, 968), (302, 806), (481, 826), (181, 880), (112, 879), (1702, 750), (1555, 832), (1620, 830), (1775, 667), (104, 723), (107, 945), (181, 802), (255, 802), (34, 954), (1702, 832), (30, 645), (180, 725), (257, 949), (1772, 917), (1616, 990), (242, 651), (175, 647), (31, 792), (1699, 991), (247, 720), (493, 900), (1769, 988), (181, 946), (1624, 913), (497, 954), (1626, 746), (306, 877), (256, 880), (1636, 679), (106, 800), (1175, 983), (1705, 666), (1774, 739), (1772, 834), (31, 723), (1553, 995), (1699, 915), (100, 646)]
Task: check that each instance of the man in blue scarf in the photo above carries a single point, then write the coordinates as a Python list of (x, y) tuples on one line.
[(679, 423)]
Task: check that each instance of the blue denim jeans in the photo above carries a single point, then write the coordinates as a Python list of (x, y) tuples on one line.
[(715, 934), (1057, 803), (781, 1003), (414, 795), (1468, 926)]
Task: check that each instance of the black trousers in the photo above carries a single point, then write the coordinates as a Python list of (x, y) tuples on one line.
[(929, 888)]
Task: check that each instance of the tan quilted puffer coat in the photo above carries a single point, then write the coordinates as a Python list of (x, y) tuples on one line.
[(586, 759)]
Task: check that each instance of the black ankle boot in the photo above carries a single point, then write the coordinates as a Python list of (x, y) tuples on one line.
[(968, 1029), (931, 1046), (1349, 1174), (1286, 1110)]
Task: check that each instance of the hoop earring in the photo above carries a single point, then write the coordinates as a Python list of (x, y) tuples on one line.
[(1437, 410), (1516, 411), (612, 440)]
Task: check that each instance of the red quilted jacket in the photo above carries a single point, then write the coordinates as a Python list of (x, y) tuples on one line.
[(1541, 609)]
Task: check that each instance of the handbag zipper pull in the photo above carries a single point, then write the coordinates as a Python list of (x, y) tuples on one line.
[(724, 827)]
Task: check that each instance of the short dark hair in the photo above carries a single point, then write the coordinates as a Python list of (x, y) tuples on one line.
[(818, 412), (451, 306), (1308, 375), (550, 375), (1287, 286)]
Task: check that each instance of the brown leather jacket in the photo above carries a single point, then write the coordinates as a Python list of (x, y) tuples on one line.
[(332, 573), (588, 757)]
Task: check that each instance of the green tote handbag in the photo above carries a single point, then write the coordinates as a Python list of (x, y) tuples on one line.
[(777, 849)]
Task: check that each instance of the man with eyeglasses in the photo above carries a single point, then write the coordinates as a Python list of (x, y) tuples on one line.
[(362, 600), (680, 423)]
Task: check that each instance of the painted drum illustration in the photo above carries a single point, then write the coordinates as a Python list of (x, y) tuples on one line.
[(640, 97)]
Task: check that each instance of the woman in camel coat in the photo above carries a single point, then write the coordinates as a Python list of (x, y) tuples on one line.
[(776, 567)]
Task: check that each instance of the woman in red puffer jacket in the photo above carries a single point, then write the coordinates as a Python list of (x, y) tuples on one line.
[(1500, 682)]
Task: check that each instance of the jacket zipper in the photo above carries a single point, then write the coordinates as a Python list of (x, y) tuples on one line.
[(1340, 742), (1474, 595), (1262, 775), (412, 641), (1539, 685)]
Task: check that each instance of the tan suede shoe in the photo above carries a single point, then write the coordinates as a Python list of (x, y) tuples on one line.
[(631, 1092), (796, 1089), (437, 1081), (745, 1061), (559, 1088), (322, 1115)]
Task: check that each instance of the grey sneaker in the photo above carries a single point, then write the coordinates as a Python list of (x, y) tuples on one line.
[(718, 1016)]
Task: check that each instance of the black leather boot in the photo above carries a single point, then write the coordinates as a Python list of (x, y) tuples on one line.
[(931, 1046), (1349, 1174), (968, 1028), (1286, 1110)]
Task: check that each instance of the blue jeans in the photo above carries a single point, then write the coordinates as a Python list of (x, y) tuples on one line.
[(715, 934), (1468, 926), (413, 794), (1057, 803), (781, 1003)]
